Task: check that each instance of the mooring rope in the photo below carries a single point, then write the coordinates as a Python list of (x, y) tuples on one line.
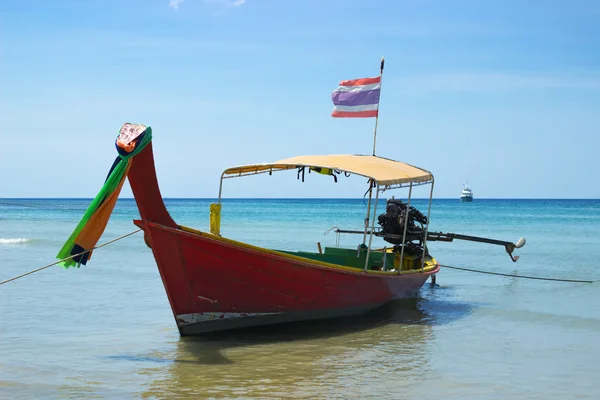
[(441, 265), (68, 258), (516, 276)]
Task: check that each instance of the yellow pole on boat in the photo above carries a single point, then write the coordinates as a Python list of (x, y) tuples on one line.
[(215, 219), (377, 115)]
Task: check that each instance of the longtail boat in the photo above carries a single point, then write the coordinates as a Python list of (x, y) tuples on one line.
[(213, 282), (216, 283)]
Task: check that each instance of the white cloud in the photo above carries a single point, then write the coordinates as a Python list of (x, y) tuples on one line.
[(175, 4), (228, 3)]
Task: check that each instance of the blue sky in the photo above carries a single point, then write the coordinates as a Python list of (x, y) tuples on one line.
[(504, 94)]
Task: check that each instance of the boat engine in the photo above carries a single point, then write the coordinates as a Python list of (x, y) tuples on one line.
[(397, 215)]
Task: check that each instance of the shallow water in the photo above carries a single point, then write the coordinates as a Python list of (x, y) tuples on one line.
[(106, 330)]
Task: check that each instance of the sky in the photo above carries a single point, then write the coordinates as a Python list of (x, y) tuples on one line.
[(502, 94)]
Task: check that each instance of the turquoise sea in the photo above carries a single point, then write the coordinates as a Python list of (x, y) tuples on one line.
[(106, 330)]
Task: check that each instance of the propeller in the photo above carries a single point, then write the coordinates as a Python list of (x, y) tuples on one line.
[(510, 247), (520, 243)]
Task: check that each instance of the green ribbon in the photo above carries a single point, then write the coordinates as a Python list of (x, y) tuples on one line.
[(112, 182)]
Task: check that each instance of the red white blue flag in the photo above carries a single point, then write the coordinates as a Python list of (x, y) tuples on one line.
[(357, 98)]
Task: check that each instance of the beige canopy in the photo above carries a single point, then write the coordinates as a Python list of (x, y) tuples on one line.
[(385, 171)]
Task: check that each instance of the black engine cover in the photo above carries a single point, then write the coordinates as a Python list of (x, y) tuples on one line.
[(394, 219)]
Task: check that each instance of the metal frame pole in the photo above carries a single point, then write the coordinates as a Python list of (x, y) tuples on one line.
[(405, 226), (368, 211), (221, 186), (372, 226), (427, 226)]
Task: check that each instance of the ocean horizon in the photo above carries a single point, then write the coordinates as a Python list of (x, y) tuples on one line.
[(305, 198)]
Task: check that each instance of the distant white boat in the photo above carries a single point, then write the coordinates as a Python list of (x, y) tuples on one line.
[(467, 193)]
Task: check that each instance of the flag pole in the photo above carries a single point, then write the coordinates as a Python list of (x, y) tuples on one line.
[(370, 181), (377, 116)]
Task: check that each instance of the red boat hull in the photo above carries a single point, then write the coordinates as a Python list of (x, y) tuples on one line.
[(214, 283)]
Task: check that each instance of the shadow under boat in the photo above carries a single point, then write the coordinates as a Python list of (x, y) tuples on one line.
[(417, 311), (398, 338)]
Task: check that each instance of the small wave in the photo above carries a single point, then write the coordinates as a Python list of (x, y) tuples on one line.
[(14, 241)]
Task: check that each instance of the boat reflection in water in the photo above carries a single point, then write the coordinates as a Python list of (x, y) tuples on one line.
[(384, 350)]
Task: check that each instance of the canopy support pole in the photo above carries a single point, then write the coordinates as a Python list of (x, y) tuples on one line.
[(221, 186), (372, 227), (427, 229), (404, 234), (368, 211)]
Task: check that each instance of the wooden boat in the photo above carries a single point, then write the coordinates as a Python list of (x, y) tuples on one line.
[(215, 283)]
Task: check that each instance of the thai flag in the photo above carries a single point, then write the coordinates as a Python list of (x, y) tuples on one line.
[(357, 98)]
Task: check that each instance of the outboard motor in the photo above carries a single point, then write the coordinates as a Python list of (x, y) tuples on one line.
[(397, 214)]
